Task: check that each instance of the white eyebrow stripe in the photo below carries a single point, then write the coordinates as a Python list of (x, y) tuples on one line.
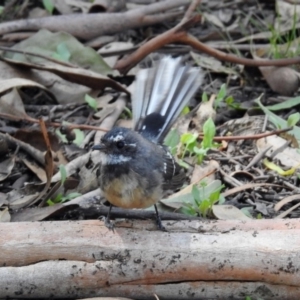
[(118, 137)]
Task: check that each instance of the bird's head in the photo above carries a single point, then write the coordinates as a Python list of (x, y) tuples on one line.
[(118, 145)]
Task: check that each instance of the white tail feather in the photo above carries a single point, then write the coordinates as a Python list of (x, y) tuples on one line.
[(163, 91)]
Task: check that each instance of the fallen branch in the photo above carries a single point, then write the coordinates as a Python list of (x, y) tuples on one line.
[(89, 26), (178, 34), (203, 260), (248, 137)]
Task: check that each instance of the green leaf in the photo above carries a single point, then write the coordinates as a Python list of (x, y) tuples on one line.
[(70, 196), (222, 93), (196, 194), (221, 199), (128, 112), (61, 136), (183, 164), (185, 111), (231, 103), (49, 6), (285, 105), (63, 52), (188, 209), (204, 97), (91, 101), (172, 140), (188, 138), (204, 207), (209, 131), (279, 122), (50, 202), (58, 198), (1, 9), (259, 216), (293, 119), (79, 137), (200, 151), (214, 197), (63, 174), (246, 211)]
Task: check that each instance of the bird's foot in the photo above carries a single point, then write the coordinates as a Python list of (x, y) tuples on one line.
[(108, 224)]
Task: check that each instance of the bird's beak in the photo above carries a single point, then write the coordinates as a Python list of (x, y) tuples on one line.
[(99, 147)]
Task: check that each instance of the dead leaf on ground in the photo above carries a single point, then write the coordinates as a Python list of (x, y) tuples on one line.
[(6, 166), (228, 212), (36, 169), (114, 46), (61, 46), (213, 64), (288, 157), (11, 102), (74, 74), (5, 215), (61, 90)]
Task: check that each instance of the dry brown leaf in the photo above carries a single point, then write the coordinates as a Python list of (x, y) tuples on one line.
[(36, 169), (63, 90), (5, 215), (12, 104), (228, 212), (74, 74), (6, 167), (288, 157), (17, 201)]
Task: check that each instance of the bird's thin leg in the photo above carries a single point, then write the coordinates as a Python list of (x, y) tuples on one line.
[(158, 220), (107, 221)]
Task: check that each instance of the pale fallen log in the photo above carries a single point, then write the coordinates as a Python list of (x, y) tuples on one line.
[(89, 26), (199, 260)]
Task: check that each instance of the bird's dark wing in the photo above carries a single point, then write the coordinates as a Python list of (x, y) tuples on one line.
[(173, 174)]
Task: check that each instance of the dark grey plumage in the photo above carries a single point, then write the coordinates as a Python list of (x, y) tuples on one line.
[(136, 168)]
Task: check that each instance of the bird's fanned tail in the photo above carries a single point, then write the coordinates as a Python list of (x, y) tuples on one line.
[(160, 95)]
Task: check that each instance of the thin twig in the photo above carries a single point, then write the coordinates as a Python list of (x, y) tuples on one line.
[(248, 137), (51, 124)]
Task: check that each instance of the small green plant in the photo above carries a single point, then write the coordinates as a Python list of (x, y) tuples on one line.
[(60, 198), (293, 119), (92, 103), (221, 95), (191, 145), (204, 97), (229, 101), (283, 45), (204, 197), (126, 114), (49, 6), (79, 134)]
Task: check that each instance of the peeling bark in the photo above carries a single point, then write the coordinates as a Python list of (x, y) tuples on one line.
[(198, 260)]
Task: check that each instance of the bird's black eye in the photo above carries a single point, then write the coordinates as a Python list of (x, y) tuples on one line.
[(120, 144)]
